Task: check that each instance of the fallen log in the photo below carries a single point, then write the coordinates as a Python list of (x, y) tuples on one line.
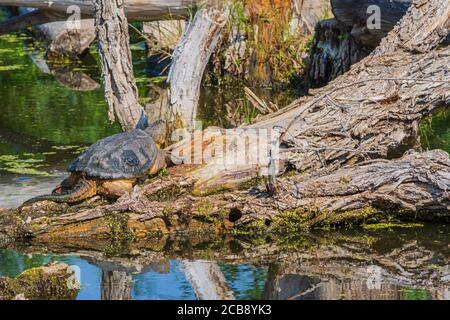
[(136, 10), (369, 112), (61, 38), (55, 281), (414, 187)]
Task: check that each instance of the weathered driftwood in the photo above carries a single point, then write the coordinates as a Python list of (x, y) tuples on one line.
[(189, 60), (121, 91), (55, 281), (63, 37), (136, 10)]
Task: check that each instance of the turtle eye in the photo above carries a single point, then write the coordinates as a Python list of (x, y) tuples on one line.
[(130, 158)]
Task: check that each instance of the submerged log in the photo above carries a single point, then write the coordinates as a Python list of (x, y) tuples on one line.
[(55, 281)]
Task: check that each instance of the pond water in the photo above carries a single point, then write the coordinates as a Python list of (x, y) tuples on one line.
[(394, 263), (51, 111)]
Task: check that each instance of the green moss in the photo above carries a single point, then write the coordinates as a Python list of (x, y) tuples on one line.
[(254, 182), (206, 212), (378, 226), (118, 226), (34, 283), (163, 172), (292, 221)]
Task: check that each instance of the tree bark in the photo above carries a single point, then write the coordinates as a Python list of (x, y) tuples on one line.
[(121, 91)]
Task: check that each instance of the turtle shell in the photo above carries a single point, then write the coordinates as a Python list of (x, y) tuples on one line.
[(124, 155)]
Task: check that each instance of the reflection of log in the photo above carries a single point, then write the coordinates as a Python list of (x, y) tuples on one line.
[(61, 38), (327, 265), (77, 80), (137, 10), (116, 285), (207, 280), (189, 61), (377, 105), (52, 282)]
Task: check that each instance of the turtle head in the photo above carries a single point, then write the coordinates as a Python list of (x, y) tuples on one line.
[(157, 130)]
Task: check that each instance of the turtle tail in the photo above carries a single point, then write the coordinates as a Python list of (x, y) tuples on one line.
[(82, 190)]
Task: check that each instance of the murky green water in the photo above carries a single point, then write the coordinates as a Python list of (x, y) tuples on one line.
[(50, 112)]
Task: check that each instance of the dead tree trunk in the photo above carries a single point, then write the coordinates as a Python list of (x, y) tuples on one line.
[(189, 60), (115, 55), (356, 15)]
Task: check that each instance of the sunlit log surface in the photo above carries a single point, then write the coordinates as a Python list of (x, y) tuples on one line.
[(138, 10)]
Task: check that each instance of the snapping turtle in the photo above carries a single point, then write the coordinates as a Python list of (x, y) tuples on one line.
[(111, 166)]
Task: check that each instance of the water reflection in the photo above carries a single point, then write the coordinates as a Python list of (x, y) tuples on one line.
[(381, 264)]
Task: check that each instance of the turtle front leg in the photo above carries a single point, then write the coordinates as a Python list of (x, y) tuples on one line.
[(115, 188), (68, 183)]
